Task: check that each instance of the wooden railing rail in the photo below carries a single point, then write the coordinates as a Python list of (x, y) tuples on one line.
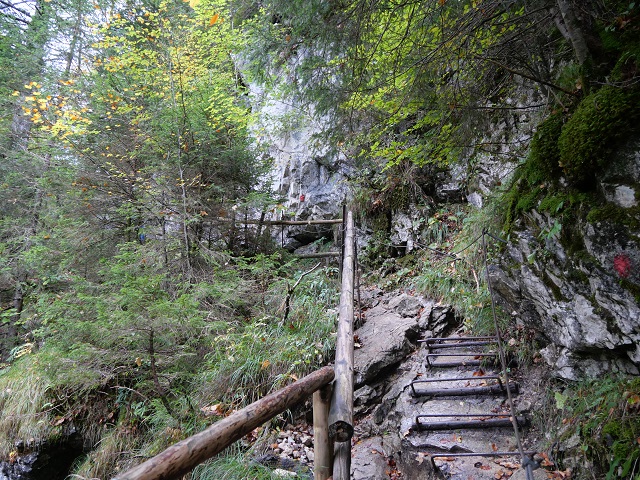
[(331, 221), (185, 455), (341, 412)]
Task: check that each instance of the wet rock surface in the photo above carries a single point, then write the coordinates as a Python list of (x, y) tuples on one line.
[(388, 409), (50, 461)]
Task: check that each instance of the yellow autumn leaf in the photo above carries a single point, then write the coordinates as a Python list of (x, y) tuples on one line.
[(265, 365), (15, 93), (214, 19)]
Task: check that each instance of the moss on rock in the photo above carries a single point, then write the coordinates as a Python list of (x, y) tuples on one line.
[(601, 121)]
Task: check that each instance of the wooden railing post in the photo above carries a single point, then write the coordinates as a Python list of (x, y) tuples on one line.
[(183, 456), (341, 411), (322, 445)]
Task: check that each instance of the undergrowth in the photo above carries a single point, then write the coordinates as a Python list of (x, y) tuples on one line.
[(604, 414), (142, 358), (233, 466), (453, 271)]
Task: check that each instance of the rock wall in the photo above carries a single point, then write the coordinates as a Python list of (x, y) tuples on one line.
[(309, 176), (582, 298)]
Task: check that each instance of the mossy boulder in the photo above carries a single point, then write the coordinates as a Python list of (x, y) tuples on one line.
[(544, 156), (601, 122)]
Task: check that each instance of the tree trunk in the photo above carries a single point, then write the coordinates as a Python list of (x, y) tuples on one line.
[(570, 29)]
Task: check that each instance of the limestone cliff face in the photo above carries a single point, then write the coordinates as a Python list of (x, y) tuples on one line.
[(582, 298), (309, 176)]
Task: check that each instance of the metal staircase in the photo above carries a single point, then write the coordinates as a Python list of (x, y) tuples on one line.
[(481, 370)]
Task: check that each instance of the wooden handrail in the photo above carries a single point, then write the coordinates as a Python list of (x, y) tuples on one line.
[(185, 455), (341, 412)]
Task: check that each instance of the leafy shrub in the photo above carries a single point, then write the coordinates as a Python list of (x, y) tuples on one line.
[(605, 413)]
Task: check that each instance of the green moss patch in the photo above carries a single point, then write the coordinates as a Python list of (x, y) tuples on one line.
[(597, 127)]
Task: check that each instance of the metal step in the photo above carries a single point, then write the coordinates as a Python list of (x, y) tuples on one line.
[(434, 346), (489, 420), (480, 454), (429, 356), (439, 340), (466, 363), (528, 456), (495, 389)]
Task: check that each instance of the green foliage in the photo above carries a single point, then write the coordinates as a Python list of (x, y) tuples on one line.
[(601, 121), (409, 82), (25, 404), (163, 348), (242, 365), (235, 467), (461, 283), (605, 413), (544, 154)]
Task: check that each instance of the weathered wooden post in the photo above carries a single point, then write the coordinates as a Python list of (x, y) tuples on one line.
[(341, 412), (322, 451), (182, 457)]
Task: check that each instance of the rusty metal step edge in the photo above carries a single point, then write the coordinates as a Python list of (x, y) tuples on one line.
[(477, 378), (462, 354), (470, 363), (456, 339), (471, 424), (434, 346), (458, 392), (479, 454)]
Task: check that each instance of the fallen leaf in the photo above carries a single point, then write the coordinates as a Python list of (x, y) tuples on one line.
[(216, 409), (58, 421), (507, 464)]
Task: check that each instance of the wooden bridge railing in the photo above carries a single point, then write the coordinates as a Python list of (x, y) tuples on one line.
[(332, 408)]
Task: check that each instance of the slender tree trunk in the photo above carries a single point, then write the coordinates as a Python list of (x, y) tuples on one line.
[(570, 29)]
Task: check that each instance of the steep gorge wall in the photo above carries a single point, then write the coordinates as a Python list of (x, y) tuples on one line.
[(308, 176), (579, 290)]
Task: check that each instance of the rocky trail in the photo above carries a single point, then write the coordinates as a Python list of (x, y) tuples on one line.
[(396, 374), (426, 393)]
